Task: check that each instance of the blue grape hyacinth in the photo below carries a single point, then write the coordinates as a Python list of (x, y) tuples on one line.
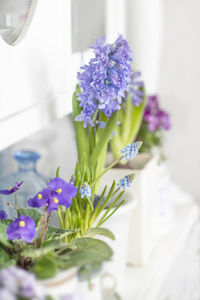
[(130, 151)]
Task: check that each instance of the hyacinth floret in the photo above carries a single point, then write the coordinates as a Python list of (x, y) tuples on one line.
[(135, 89), (105, 79), (131, 150), (126, 181), (85, 190)]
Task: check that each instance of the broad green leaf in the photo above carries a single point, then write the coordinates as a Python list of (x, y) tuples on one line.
[(81, 133), (39, 252), (89, 250), (31, 212), (100, 231), (54, 233), (45, 268), (3, 234), (104, 138)]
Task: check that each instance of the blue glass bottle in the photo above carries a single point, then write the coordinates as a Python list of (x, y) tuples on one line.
[(33, 182)]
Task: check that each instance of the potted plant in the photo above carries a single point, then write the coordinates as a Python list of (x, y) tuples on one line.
[(98, 106), (30, 243)]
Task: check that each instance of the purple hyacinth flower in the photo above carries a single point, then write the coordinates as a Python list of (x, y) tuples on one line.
[(131, 150), (40, 199), (135, 89), (22, 228), (105, 79), (3, 215), (12, 189)]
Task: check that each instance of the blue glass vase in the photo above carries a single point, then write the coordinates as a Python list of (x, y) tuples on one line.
[(33, 182)]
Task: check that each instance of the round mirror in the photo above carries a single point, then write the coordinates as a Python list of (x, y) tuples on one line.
[(15, 19)]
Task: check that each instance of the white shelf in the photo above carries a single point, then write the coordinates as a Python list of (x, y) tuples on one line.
[(144, 283)]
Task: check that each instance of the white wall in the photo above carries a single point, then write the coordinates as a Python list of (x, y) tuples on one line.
[(165, 36), (179, 88)]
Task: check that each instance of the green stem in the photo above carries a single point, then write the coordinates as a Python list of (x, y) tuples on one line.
[(60, 218)]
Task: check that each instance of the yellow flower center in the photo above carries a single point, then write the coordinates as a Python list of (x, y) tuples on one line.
[(39, 196), (22, 224), (59, 190), (10, 188), (55, 200)]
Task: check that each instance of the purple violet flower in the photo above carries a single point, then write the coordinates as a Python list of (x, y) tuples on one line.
[(20, 283), (22, 228), (105, 79), (3, 215), (12, 189), (5, 294), (58, 193), (131, 150), (40, 199), (134, 89)]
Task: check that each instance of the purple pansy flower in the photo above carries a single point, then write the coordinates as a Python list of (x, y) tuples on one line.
[(135, 89), (3, 215), (154, 116), (105, 79), (12, 189), (22, 228)]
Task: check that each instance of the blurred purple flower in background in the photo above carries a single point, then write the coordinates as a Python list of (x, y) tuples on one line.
[(16, 282), (12, 189), (22, 228), (3, 215), (154, 116), (105, 79), (135, 89)]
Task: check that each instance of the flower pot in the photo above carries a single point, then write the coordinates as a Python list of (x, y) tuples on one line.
[(119, 224), (67, 283), (165, 212), (143, 225), (63, 284)]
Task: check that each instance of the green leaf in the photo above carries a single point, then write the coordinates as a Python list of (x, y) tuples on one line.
[(3, 234), (104, 138), (54, 233), (31, 212), (57, 171), (100, 231), (89, 250), (45, 268), (39, 252), (5, 260), (82, 139)]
